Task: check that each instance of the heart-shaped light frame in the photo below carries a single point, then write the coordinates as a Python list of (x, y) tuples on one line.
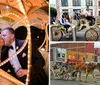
[(28, 39)]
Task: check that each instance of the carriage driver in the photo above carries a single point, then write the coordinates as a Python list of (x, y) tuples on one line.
[(88, 16), (67, 64)]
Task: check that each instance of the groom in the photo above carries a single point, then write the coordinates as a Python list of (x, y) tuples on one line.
[(18, 65)]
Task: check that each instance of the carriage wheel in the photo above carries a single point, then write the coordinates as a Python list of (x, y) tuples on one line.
[(56, 34), (66, 76), (74, 75), (91, 35), (51, 74)]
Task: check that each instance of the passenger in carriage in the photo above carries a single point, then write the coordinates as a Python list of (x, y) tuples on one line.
[(64, 22), (57, 65), (52, 20), (18, 65), (88, 12), (89, 17), (67, 64), (67, 21), (57, 22)]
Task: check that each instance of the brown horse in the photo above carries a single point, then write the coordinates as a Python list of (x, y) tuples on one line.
[(87, 68)]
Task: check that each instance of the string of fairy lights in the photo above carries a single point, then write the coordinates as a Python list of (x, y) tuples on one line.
[(25, 43), (27, 40), (5, 75), (7, 13)]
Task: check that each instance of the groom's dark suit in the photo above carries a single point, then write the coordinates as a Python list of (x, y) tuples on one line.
[(37, 76)]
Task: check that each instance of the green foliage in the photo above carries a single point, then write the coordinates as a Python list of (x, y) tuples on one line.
[(53, 12)]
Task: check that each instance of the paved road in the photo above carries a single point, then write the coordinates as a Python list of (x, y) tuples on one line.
[(80, 36), (69, 82), (90, 80)]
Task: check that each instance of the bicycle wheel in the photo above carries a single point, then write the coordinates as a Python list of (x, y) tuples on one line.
[(74, 75), (91, 35), (66, 76), (56, 34)]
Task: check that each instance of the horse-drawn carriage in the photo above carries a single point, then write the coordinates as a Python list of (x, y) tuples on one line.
[(75, 71), (92, 26), (63, 73)]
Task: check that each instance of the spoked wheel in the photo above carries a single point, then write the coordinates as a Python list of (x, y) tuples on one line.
[(66, 76), (51, 74), (74, 75), (91, 35), (56, 34)]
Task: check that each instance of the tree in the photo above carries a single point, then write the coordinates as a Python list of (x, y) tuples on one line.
[(53, 12)]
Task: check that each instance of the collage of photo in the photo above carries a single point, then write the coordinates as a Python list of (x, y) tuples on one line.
[(24, 42), (74, 42), (50, 42)]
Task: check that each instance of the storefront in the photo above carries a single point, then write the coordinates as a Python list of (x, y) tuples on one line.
[(80, 56)]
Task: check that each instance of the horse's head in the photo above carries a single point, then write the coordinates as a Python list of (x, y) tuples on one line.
[(91, 65)]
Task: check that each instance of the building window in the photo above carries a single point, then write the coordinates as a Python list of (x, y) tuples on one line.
[(65, 11), (76, 10), (89, 2), (64, 2), (76, 2)]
